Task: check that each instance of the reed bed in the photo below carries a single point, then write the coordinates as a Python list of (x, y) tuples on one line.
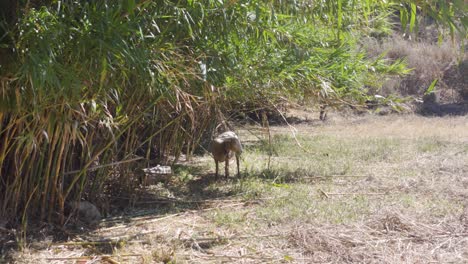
[(88, 84)]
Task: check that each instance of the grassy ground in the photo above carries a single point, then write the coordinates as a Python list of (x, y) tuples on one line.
[(359, 189)]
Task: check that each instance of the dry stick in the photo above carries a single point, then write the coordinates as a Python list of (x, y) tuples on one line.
[(109, 259), (91, 257), (398, 239), (328, 194), (267, 125), (99, 242), (451, 235), (227, 238), (323, 193), (189, 202), (115, 240), (245, 257), (233, 257), (293, 130), (440, 245), (342, 176), (357, 193), (334, 176)]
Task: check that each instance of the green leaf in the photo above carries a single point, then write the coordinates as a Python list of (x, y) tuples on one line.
[(129, 5), (413, 17), (103, 73), (403, 17), (431, 87), (281, 185)]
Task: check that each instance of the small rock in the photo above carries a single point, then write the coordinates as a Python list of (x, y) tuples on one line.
[(87, 212)]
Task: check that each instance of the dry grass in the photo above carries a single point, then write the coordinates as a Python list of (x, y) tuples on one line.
[(428, 60), (368, 190)]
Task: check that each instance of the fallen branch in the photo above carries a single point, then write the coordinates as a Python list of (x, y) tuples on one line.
[(293, 131), (357, 193), (166, 201), (111, 241), (338, 194), (344, 176), (103, 257), (286, 257), (109, 259), (323, 193), (204, 239), (120, 240), (239, 257)]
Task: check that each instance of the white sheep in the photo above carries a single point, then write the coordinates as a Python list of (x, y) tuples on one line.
[(222, 147)]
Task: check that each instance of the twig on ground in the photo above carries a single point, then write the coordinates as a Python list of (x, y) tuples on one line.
[(112, 240), (110, 260), (323, 193), (93, 257), (338, 194), (204, 239), (247, 257), (293, 131)]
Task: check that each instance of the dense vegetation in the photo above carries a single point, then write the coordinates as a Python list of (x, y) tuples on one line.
[(86, 83)]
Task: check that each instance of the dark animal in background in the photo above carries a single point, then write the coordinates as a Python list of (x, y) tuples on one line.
[(222, 148)]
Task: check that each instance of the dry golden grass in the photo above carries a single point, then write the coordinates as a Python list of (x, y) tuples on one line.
[(358, 189), (429, 60)]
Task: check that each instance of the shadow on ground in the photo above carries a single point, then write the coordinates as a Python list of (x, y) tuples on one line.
[(191, 188), (436, 109)]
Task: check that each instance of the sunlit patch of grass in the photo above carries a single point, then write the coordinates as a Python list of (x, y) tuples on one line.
[(407, 201), (362, 174), (430, 145), (318, 155), (441, 207), (302, 202), (431, 205), (185, 173), (345, 182), (276, 172), (253, 188), (229, 218), (279, 203)]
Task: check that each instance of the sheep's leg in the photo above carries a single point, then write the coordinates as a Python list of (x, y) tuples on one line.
[(238, 170), (226, 167), (217, 167), (323, 113)]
